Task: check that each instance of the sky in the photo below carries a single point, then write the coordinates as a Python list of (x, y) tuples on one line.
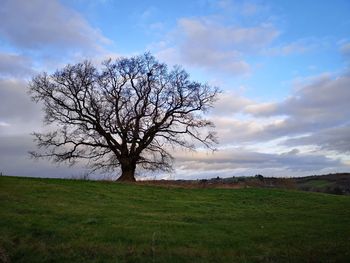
[(283, 68)]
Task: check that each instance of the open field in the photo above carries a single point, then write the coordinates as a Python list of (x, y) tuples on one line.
[(52, 220), (338, 183)]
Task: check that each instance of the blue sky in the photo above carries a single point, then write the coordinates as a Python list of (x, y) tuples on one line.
[(318, 27), (283, 67)]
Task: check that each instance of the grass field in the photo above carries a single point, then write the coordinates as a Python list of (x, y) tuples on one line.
[(318, 183), (52, 220)]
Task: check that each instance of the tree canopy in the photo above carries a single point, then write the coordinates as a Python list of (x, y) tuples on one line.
[(123, 114)]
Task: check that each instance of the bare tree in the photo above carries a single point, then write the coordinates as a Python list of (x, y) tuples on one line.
[(124, 115)]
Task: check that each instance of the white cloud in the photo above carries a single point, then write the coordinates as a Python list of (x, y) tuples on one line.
[(320, 104), (345, 50), (16, 108), (331, 139), (40, 24), (316, 113), (4, 124), (299, 46), (15, 160), (240, 161), (218, 35), (229, 103), (15, 65), (213, 46), (261, 109)]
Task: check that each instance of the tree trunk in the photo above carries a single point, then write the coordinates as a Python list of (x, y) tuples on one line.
[(128, 172)]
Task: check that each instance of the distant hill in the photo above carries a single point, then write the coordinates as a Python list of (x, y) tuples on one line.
[(337, 183)]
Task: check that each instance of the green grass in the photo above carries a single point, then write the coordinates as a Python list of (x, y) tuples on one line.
[(319, 183), (51, 220)]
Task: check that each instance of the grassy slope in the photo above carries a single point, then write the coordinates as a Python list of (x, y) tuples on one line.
[(47, 220)]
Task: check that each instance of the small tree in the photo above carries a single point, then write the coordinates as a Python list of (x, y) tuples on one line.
[(122, 115)]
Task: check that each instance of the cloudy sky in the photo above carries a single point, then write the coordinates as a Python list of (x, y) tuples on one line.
[(283, 67)]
